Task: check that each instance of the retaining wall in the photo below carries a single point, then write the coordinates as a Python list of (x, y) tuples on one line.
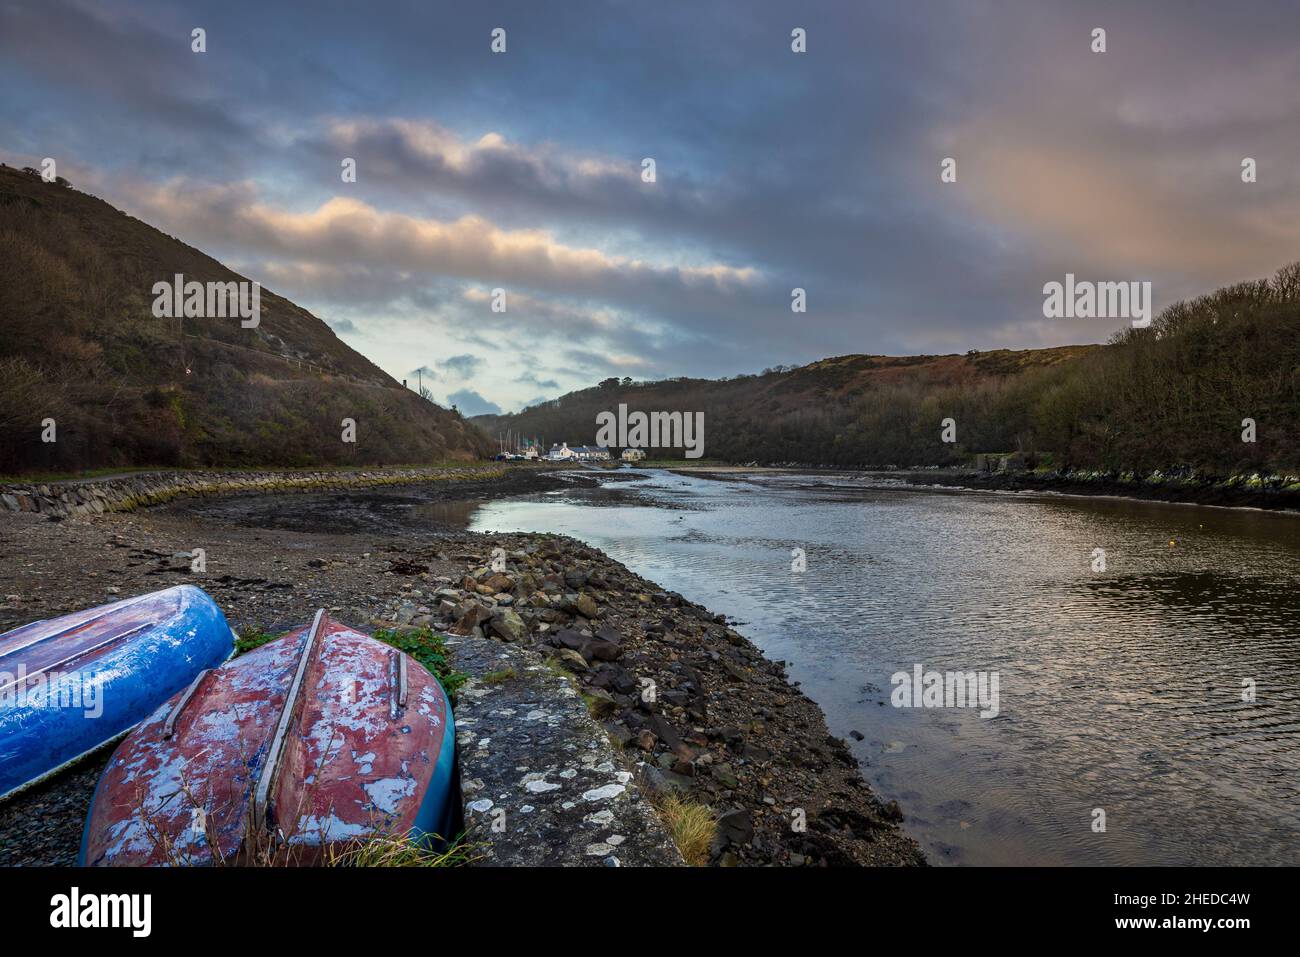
[(126, 492)]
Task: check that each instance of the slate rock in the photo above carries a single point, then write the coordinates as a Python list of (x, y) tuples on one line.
[(735, 826)]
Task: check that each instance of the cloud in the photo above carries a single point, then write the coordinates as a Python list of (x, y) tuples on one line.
[(531, 378), (1127, 165), (462, 366), (402, 149), (344, 231), (347, 251), (523, 172), (471, 403)]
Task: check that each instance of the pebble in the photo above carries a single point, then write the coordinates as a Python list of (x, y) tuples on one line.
[(604, 793)]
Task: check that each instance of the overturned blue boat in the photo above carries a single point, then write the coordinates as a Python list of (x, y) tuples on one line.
[(71, 684)]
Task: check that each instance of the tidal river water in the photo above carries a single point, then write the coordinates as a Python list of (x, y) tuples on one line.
[(1125, 692)]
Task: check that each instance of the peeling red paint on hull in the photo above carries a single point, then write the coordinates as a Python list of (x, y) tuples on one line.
[(368, 749)]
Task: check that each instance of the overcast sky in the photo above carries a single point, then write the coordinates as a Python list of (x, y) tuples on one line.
[(775, 169)]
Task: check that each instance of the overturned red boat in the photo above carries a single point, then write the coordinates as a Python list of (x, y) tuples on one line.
[(324, 737)]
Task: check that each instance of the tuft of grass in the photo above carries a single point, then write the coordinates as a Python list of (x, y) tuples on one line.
[(554, 667), (390, 851), (251, 638), (691, 824), (597, 707), (428, 648), (499, 677)]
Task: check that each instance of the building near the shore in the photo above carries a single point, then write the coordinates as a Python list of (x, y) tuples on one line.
[(579, 453), (633, 455)]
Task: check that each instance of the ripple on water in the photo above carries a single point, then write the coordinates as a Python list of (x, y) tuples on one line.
[(1119, 690)]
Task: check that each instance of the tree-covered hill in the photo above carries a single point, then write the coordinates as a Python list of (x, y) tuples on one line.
[(1171, 395)]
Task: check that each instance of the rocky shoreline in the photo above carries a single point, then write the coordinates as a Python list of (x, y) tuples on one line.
[(689, 707), (1272, 492)]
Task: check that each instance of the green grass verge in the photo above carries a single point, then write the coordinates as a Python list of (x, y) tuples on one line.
[(251, 638)]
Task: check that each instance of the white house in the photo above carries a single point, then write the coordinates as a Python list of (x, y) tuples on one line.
[(633, 455), (579, 453)]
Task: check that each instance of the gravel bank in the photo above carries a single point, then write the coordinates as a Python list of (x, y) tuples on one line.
[(690, 706)]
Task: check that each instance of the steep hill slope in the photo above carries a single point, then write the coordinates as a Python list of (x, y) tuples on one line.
[(79, 344)]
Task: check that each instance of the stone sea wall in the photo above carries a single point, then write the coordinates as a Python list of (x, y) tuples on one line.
[(126, 492)]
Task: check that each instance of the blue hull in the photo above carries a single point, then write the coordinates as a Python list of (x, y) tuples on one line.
[(438, 819), (72, 684)]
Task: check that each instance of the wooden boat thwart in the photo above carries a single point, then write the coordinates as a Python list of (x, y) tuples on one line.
[(323, 737), (71, 684)]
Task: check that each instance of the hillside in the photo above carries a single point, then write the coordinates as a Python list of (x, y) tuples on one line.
[(857, 410), (79, 344), (1173, 395)]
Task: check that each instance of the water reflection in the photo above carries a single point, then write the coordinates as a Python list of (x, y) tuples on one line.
[(1120, 690), (446, 514)]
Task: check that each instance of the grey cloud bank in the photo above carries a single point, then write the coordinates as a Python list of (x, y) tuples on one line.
[(775, 169)]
